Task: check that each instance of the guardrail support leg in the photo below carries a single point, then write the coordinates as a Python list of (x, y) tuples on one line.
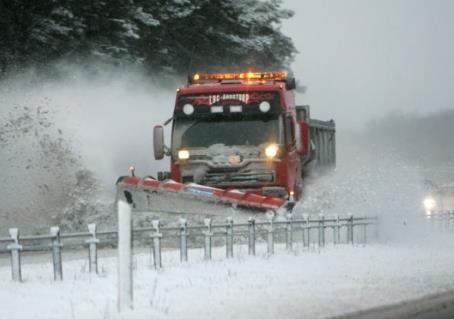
[(208, 234), (336, 230), (251, 237), (306, 232), (365, 233), (56, 252), (183, 240), (15, 249), (321, 230), (156, 237), (92, 249), (229, 238), (289, 232), (270, 241), (350, 229)]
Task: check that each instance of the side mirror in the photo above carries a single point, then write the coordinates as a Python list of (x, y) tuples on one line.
[(158, 142), (290, 83)]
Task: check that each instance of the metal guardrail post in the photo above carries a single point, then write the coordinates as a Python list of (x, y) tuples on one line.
[(156, 237), (449, 222), (15, 249), (251, 237), (376, 229), (124, 260), (270, 241), (208, 234), (183, 240), (350, 229), (229, 238), (432, 219), (336, 230), (56, 252), (92, 249), (364, 232), (321, 230), (306, 232), (289, 233)]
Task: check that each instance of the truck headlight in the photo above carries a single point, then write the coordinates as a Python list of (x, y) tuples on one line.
[(271, 150), (429, 203), (183, 154)]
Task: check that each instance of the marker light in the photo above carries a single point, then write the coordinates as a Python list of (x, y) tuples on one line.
[(236, 108), (132, 170), (183, 154), (264, 106), (271, 150), (188, 109), (217, 109), (429, 203)]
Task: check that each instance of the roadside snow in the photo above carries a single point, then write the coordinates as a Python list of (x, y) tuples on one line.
[(304, 284)]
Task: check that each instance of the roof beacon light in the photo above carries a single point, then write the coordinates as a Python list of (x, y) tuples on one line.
[(275, 75)]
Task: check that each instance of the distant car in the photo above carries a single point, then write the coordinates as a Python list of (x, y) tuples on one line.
[(439, 197)]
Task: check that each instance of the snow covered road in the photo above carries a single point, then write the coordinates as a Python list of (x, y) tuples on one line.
[(305, 284)]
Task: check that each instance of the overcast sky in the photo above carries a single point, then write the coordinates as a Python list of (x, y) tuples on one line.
[(363, 58)]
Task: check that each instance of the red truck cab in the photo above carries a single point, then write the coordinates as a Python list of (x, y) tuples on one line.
[(240, 131)]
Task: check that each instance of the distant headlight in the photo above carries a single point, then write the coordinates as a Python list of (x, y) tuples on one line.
[(271, 150), (183, 154), (429, 203)]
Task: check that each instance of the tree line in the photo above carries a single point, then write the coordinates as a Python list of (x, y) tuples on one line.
[(172, 36)]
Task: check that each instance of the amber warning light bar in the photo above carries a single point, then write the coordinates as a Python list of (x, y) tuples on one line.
[(278, 76)]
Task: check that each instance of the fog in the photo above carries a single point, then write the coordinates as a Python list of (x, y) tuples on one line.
[(362, 59), (382, 70)]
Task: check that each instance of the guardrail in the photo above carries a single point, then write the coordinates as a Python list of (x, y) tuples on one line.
[(442, 220), (308, 230)]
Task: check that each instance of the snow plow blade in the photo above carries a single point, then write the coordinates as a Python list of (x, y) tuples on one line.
[(150, 195)]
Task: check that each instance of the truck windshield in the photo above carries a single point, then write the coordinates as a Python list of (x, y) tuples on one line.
[(230, 131)]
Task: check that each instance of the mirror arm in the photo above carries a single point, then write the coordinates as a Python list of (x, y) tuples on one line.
[(168, 121)]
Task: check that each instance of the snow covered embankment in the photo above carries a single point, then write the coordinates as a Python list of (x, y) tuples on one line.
[(312, 284)]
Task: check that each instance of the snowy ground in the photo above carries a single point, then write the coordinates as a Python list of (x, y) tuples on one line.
[(305, 284)]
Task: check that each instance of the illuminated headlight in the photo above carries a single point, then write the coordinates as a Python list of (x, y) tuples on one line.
[(264, 106), (183, 154), (188, 109), (429, 203), (271, 150)]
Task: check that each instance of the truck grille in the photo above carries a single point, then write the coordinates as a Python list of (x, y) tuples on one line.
[(235, 178)]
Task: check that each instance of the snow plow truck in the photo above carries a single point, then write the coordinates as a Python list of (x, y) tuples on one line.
[(239, 142)]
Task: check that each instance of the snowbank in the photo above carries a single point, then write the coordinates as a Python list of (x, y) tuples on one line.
[(309, 284)]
